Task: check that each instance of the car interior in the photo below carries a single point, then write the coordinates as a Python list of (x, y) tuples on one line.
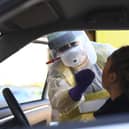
[(22, 23)]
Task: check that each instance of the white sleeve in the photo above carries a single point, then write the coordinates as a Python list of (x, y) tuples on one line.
[(59, 96)]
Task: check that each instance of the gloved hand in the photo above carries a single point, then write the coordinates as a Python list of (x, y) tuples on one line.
[(83, 79)]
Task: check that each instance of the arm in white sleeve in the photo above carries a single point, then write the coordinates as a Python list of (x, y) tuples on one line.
[(59, 96)]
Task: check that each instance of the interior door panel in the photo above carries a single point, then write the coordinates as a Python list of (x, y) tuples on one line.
[(36, 112)]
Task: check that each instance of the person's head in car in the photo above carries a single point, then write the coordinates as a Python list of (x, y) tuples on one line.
[(73, 47), (116, 73)]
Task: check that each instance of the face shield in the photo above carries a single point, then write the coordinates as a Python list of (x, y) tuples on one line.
[(74, 55)]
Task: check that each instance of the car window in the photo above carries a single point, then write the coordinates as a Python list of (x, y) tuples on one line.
[(104, 44), (25, 73)]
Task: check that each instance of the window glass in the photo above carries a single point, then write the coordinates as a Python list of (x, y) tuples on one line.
[(25, 73)]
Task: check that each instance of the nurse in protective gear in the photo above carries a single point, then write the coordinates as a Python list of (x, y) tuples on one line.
[(73, 75)]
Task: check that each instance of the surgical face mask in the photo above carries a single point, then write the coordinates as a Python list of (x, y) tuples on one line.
[(73, 57)]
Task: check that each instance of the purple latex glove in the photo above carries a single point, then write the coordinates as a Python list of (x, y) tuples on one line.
[(83, 79)]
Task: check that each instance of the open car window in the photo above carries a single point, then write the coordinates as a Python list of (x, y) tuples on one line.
[(25, 73), (104, 42)]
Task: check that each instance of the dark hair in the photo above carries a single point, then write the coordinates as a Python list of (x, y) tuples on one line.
[(120, 65)]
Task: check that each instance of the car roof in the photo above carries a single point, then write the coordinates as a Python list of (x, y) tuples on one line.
[(22, 21)]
